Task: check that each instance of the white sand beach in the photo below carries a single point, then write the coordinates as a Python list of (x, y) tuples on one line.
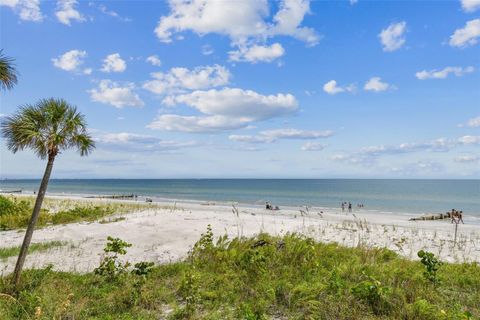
[(167, 234)]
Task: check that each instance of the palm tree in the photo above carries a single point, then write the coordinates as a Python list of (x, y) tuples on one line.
[(8, 74), (47, 127)]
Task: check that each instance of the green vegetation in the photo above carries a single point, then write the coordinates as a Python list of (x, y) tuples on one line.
[(16, 212), (264, 277), (44, 246)]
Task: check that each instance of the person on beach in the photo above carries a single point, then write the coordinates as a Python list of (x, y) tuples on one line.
[(349, 207), (343, 206), (460, 216)]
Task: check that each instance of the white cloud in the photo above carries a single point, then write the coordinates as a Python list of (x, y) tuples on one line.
[(469, 140), (114, 63), (110, 13), (470, 5), (240, 21), (207, 50), (246, 105), (154, 60), (269, 136), (474, 122), (196, 124), (392, 38), (225, 109), (467, 35), (376, 84), (442, 74), (257, 53), (126, 141), (72, 61), (66, 12), (331, 88), (28, 10), (467, 158), (438, 145), (113, 93), (313, 146), (178, 79)]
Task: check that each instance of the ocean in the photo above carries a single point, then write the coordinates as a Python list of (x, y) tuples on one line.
[(389, 195)]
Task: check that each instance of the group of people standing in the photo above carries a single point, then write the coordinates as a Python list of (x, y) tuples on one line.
[(348, 205), (456, 216), (345, 205)]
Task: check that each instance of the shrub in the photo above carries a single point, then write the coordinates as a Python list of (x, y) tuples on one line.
[(373, 293), (431, 264), (111, 267)]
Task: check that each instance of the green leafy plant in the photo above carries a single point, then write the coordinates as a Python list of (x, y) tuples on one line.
[(374, 293), (111, 267), (142, 268), (431, 264)]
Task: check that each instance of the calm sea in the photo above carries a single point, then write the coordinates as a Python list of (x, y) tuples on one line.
[(403, 196)]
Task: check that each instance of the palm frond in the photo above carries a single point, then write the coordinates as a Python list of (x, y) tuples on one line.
[(48, 127), (8, 73)]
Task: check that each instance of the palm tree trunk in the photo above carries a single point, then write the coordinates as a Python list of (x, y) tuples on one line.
[(33, 221)]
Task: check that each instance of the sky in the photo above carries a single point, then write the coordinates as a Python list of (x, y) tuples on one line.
[(252, 89)]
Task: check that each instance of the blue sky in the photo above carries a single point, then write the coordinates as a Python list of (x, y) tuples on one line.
[(292, 89)]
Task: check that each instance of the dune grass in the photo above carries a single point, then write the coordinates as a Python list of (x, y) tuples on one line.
[(15, 212), (264, 277), (8, 252)]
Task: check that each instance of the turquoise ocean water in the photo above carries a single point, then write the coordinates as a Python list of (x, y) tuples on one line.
[(402, 196)]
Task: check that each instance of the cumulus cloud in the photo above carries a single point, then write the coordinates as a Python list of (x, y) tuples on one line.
[(242, 21), (154, 60), (225, 109), (466, 36), (392, 38), (114, 63), (331, 88), (248, 24), (470, 5), (72, 61), (178, 79), (115, 94), (234, 102), (66, 12), (269, 136), (126, 141), (442, 74), (377, 85), (28, 10), (257, 53), (313, 146)]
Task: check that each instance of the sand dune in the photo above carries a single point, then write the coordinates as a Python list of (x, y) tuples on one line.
[(163, 235)]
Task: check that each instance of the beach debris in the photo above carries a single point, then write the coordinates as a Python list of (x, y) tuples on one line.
[(454, 215), (11, 191), (115, 196)]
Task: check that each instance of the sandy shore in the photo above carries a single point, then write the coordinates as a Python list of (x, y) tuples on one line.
[(164, 235)]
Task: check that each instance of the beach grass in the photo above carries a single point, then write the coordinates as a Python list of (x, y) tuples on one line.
[(8, 252), (15, 212), (264, 277)]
